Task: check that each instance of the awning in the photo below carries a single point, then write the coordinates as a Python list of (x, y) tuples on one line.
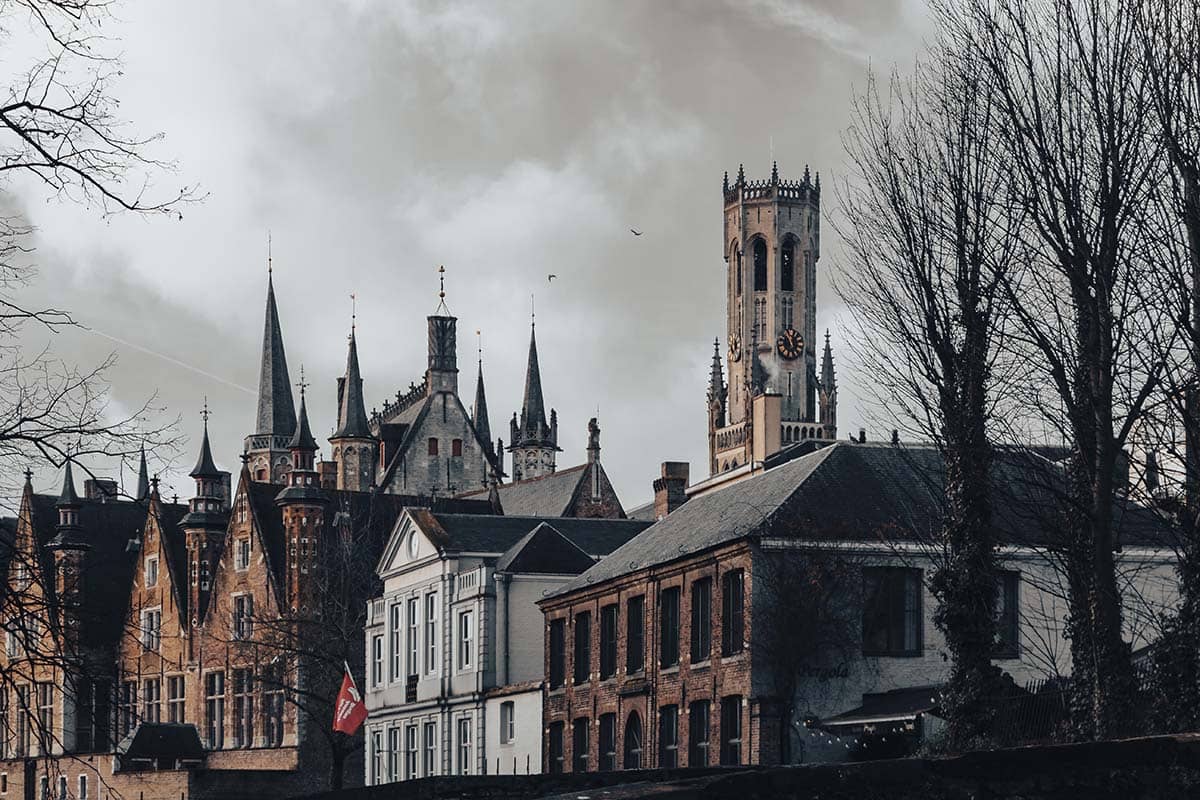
[(898, 705)]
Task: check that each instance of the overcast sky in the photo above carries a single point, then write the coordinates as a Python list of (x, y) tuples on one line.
[(504, 140)]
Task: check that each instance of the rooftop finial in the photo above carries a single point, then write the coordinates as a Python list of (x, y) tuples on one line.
[(302, 384), (353, 311), (741, 178), (774, 172), (269, 267), (442, 291), (205, 413), (479, 343), (532, 311)]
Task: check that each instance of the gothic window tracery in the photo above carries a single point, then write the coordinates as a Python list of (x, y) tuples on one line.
[(787, 270), (760, 265)]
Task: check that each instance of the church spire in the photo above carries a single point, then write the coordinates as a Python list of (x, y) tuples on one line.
[(716, 379), (352, 413), (303, 440), (482, 427), (143, 484), (532, 442), (205, 466), (828, 379), (276, 410), (533, 410)]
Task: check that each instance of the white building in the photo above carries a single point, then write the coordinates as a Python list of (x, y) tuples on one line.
[(454, 646)]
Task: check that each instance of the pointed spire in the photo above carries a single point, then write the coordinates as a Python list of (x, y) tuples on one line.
[(352, 412), (67, 498), (806, 174), (205, 467), (725, 183), (276, 410), (828, 379), (303, 438), (741, 176), (774, 173), (818, 183), (716, 379), (533, 411), (482, 426), (143, 484)]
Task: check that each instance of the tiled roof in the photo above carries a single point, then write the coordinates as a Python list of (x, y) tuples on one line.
[(547, 496), (544, 551), (643, 512), (472, 533), (858, 492)]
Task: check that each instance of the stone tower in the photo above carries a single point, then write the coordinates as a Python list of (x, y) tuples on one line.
[(532, 442), (267, 447), (355, 449), (302, 504), (772, 241), (204, 528)]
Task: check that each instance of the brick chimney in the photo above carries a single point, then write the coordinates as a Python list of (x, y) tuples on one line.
[(669, 489)]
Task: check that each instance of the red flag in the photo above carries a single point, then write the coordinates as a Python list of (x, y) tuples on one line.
[(350, 711)]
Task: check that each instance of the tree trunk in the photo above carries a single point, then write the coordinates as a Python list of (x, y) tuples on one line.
[(337, 767)]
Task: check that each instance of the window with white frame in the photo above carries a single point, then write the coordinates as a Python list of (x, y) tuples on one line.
[(376, 660), (414, 629), (243, 616), (151, 700), (151, 629), (431, 633), (466, 639), (83, 787), (508, 728), (396, 651), (214, 709), (241, 554), (150, 571), (429, 742), (377, 757), (464, 746), (393, 755), (410, 752), (175, 698)]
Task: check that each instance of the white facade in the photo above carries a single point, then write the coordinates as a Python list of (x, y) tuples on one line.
[(448, 630)]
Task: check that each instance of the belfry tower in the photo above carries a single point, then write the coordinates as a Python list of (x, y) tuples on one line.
[(772, 239)]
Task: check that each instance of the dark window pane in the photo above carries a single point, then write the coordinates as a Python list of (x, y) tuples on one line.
[(558, 653), (556, 747), (787, 268), (698, 730), (608, 742), (731, 730), (891, 620), (608, 641), (668, 737), (701, 619), (583, 647), (760, 265), (669, 627), (579, 745), (635, 634), (732, 612), (633, 741), (1008, 643)]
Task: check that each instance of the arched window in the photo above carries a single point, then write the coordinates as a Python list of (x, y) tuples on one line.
[(787, 266), (738, 257), (633, 741), (760, 265)]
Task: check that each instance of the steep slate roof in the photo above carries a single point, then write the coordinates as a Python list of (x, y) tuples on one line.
[(644, 512), (532, 426), (352, 411), (868, 492), (544, 551), (409, 423), (472, 533), (547, 496), (482, 426), (276, 409)]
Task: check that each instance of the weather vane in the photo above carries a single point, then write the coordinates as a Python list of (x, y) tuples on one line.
[(269, 268), (353, 311), (302, 384), (205, 413)]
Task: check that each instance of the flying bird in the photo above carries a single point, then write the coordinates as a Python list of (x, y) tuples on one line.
[(550, 278), (635, 232)]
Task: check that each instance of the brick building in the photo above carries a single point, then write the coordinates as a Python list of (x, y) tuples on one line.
[(667, 653)]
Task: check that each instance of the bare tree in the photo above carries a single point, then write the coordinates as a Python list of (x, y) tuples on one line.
[(931, 235)]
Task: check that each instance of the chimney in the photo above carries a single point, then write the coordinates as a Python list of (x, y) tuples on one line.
[(862, 435), (102, 489), (669, 489), (895, 436)]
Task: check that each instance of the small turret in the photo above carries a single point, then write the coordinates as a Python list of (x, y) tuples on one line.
[(304, 484), (534, 442), (828, 392), (68, 502), (143, 484), (204, 526), (302, 503), (355, 450)]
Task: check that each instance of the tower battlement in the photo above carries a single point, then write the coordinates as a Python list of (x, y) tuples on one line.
[(804, 190)]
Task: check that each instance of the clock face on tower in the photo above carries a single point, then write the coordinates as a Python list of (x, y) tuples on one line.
[(790, 344), (735, 348)]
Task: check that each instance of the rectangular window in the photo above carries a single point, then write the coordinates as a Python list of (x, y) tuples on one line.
[(555, 748), (1008, 631), (128, 710), (668, 627), (4, 724), (395, 651), (433, 446), (508, 723), (83, 787), (151, 700), (668, 737), (393, 755), (175, 698), (891, 619), (214, 709), (272, 681), (151, 572), (608, 641), (464, 746), (243, 708), (414, 629), (608, 742), (376, 661), (698, 723), (582, 665), (241, 554), (635, 634), (731, 730), (243, 617), (430, 742), (456, 447), (45, 711), (410, 752), (558, 653), (151, 629), (701, 619), (377, 757), (430, 633), (579, 744), (24, 717), (733, 593), (466, 639)]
